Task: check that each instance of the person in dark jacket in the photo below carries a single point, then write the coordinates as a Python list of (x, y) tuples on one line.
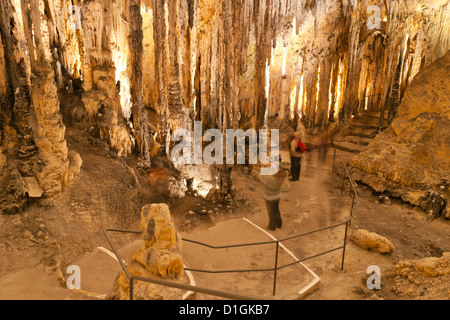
[(296, 157)]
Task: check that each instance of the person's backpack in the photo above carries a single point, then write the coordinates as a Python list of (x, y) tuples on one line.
[(300, 146)]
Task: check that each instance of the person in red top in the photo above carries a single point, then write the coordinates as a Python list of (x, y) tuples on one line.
[(296, 156)]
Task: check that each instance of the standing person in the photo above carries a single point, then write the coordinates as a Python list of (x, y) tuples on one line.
[(272, 195), (296, 156)]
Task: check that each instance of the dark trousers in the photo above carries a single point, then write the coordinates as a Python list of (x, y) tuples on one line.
[(273, 211), (296, 166)]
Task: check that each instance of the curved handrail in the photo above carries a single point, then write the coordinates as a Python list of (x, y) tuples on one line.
[(187, 287)]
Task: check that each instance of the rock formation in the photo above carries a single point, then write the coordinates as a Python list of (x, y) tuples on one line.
[(160, 257), (432, 274), (411, 159), (372, 241), (32, 128)]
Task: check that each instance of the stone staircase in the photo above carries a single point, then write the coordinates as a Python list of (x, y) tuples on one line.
[(360, 132)]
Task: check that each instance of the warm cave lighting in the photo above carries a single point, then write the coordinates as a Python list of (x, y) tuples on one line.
[(300, 97), (292, 98), (122, 76), (318, 88), (337, 103), (267, 87), (283, 68), (22, 42), (294, 27), (366, 98), (330, 90)]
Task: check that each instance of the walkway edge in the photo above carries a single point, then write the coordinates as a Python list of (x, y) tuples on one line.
[(302, 292)]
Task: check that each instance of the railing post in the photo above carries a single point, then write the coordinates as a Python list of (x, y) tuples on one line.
[(334, 160), (276, 268), (131, 288), (343, 250), (353, 205)]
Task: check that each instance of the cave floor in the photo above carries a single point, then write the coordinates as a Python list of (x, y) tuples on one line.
[(38, 245)]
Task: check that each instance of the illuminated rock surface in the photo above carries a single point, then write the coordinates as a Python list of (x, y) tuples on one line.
[(411, 159), (160, 257)]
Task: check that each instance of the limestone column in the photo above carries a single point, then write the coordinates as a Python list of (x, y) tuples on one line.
[(135, 37)]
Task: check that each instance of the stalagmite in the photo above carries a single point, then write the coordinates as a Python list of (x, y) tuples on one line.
[(41, 146)]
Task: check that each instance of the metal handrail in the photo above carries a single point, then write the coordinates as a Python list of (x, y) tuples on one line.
[(132, 278), (347, 223)]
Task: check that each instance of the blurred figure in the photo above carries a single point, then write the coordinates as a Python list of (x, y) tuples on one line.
[(272, 194), (296, 151), (321, 142)]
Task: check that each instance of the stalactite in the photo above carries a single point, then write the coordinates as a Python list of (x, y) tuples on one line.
[(140, 122), (206, 60), (177, 110), (333, 88), (323, 95), (227, 61), (237, 48), (262, 55), (194, 68), (41, 147), (15, 113), (216, 115), (394, 99), (159, 29), (184, 31)]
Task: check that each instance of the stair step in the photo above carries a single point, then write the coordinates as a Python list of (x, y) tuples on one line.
[(363, 141), (348, 146), (362, 119), (364, 126), (364, 134), (371, 114)]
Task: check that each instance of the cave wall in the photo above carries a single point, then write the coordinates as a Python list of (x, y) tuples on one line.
[(242, 63), (411, 159), (37, 162)]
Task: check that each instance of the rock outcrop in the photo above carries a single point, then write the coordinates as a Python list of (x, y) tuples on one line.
[(101, 97), (430, 275), (372, 241), (160, 257), (411, 158)]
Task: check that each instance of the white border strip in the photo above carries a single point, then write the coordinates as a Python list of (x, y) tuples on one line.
[(316, 277), (109, 253), (192, 282)]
